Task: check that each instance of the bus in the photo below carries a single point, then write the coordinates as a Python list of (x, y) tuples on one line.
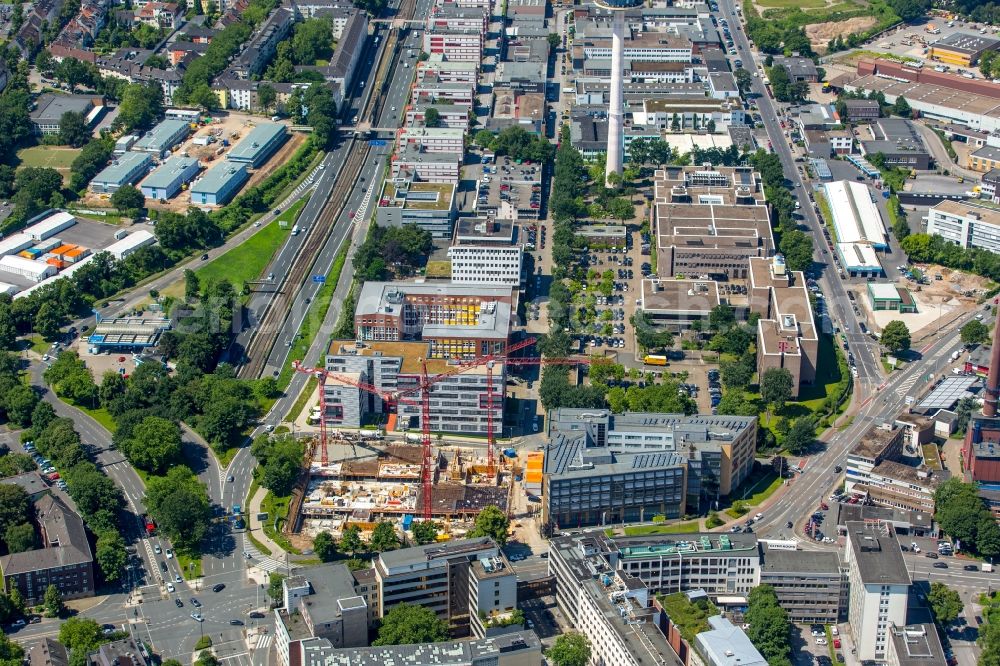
[(650, 359)]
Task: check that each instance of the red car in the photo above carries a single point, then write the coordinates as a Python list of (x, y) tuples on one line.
[(836, 643), (54, 476), (824, 506)]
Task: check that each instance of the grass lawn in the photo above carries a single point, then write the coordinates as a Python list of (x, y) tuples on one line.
[(190, 564), (277, 507), (676, 528), (300, 402), (764, 488), (101, 416), (804, 4), (248, 260), (438, 269), (257, 544), (56, 157), (226, 456), (690, 618), (39, 345)]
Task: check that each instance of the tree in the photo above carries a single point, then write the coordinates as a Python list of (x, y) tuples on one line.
[(266, 96), (737, 375), (20, 538), (425, 532), (945, 603), (53, 601), (721, 317), (902, 108), (621, 209), (192, 285), (554, 40), (492, 522), (206, 658), (570, 649), (154, 445), (111, 555), (312, 41), (81, 634), (280, 463), (776, 388), (325, 547), (274, 588), (384, 537), (14, 506), (141, 104), (408, 624), (769, 625), (350, 540), (179, 504), (73, 129), (801, 435), (896, 336), (975, 333), (432, 117), (128, 198)]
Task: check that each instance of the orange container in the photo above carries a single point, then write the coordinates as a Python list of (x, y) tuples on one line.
[(58, 263), (63, 249)]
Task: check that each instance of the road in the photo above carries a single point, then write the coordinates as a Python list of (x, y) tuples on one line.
[(865, 350)]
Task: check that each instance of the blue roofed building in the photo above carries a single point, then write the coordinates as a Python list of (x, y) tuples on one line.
[(727, 645), (259, 144), (219, 184), (163, 137), (125, 170), (166, 181)]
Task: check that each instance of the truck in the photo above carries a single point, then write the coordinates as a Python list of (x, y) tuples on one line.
[(295, 230), (955, 355), (988, 567), (150, 525), (236, 517), (653, 359)]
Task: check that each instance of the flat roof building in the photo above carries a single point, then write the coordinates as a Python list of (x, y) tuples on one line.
[(259, 144), (962, 49), (163, 137), (49, 109), (219, 184), (675, 305), (131, 333), (856, 218), (879, 586), (799, 68), (483, 252), (521, 648), (915, 645), (898, 140), (126, 169), (429, 205), (131, 243), (966, 224), (810, 585), (50, 225), (167, 180), (725, 644)]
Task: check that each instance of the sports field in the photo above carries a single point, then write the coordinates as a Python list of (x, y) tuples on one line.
[(55, 157)]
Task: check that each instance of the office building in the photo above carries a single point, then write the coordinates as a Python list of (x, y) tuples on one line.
[(259, 144), (903, 521), (675, 305), (966, 224), (984, 159), (520, 648), (878, 444), (915, 645), (167, 134), (900, 142), (462, 45), (862, 110), (64, 559), (810, 585), (124, 170), (483, 252), (457, 320), (429, 205), (725, 644), (603, 468), (320, 602), (458, 403), (613, 609), (787, 336), (799, 68), (219, 184), (412, 164), (879, 587), (170, 177), (432, 139), (962, 49), (456, 579), (709, 221)]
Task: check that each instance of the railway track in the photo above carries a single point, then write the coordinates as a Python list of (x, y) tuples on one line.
[(278, 308)]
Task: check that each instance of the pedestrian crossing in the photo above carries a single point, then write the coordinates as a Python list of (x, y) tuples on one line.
[(264, 641), (261, 561)]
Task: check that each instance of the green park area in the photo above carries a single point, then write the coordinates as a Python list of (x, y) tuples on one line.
[(54, 157)]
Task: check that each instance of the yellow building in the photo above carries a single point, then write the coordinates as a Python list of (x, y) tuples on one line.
[(984, 160), (962, 49)]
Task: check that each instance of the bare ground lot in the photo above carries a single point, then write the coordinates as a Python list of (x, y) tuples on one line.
[(820, 34)]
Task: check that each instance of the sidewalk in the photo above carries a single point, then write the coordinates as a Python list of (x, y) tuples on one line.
[(255, 527)]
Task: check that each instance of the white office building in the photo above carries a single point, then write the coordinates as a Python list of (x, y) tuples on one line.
[(965, 224), (485, 265), (879, 586)]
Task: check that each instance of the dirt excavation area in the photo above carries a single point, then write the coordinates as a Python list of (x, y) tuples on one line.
[(820, 34)]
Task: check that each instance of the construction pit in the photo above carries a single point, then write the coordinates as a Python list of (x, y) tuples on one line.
[(373, 481)]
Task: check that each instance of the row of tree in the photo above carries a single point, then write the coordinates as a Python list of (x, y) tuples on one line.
[(964, 516), (516, 143)]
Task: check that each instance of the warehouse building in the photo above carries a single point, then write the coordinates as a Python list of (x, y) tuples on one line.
[(856, 218), (219, 184), (163, 137), (962, 49), (124, 170), (131, 333), (36, 271), (890, 297), (167, 180), (257, 146), (15, 243), (131, 243), (965, 224), (50, 226)]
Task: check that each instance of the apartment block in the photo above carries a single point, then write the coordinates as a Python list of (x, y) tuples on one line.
[(787, 336), (450, 116), (965, 224), (262, 47), (811, 586), (433, 91), (879, 587)]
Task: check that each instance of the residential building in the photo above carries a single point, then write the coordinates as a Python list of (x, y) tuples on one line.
[(810, 585), (613, 609), (458, 403), (440, 577), (30, 482), (438, 69), (453, 116), (219, 184), (46, 652), (49, 110), (787, 336), (899, 141), (877, 445), (64, 559), (160, 15), (962, 49), (709, 221), (429, 205), (455, 43), (602, 468), (262, 47), (259, 144), (126, 169), (966, 224), (320, 602), (915, 645), (170, 177), (862, 110), (483, 252), (434, 91), (725, 644), (520, 648), (799, 68), (124, 652), (879, 587)]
